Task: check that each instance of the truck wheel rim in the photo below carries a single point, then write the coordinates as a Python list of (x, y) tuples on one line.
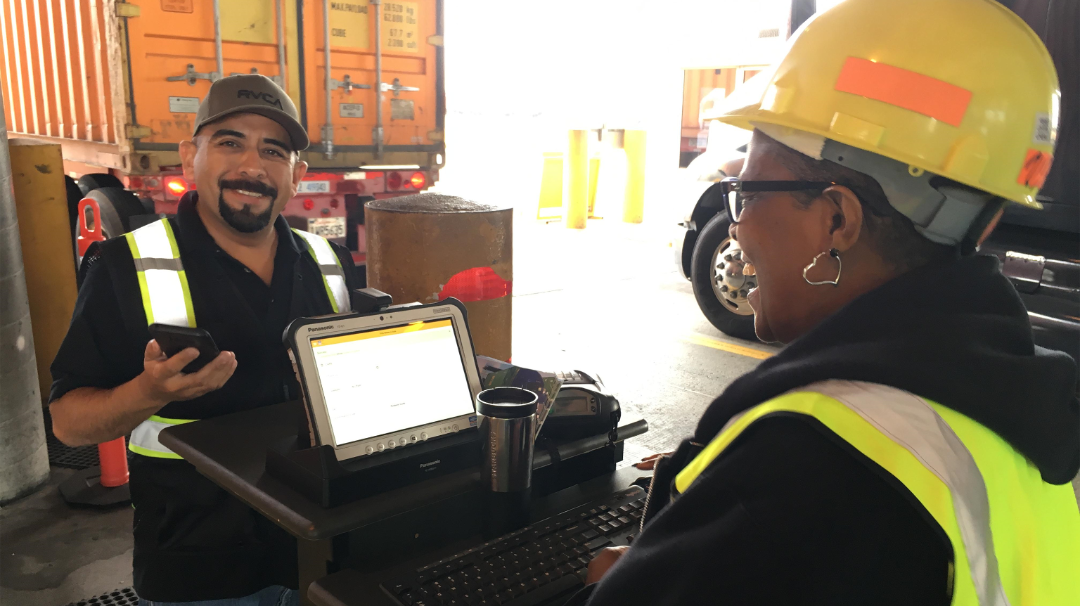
[(728, 282)]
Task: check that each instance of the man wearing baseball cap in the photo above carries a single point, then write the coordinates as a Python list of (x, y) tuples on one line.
[(227, 263)]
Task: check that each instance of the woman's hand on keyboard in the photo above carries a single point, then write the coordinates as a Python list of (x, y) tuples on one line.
[(649, 462), (603, 562)]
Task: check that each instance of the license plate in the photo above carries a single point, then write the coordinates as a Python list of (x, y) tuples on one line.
[(327, 227), (313, 187)]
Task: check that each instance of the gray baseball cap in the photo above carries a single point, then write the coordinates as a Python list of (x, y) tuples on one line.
[(252, 94)]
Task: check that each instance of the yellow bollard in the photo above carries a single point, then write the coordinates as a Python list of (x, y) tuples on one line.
[(577, 180), (551, 198), (594, 177), (37, 175), (634, 198)]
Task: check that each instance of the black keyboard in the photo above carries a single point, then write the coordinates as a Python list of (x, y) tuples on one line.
[(539, 564)]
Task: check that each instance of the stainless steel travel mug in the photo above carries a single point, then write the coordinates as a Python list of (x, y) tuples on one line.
[(507, 426)]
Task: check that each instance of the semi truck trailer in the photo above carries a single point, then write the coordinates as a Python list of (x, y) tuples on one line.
[(117, 85)]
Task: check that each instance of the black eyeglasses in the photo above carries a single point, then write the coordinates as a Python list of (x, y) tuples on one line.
[(734, 191)]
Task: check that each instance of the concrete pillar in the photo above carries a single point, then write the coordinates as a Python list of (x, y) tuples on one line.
[(428, 247), (24, 460)]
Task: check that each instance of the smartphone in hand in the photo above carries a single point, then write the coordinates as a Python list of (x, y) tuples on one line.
[(174, 339)]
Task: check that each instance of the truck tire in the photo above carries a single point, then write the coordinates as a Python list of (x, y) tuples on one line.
[(719, 286), (91, 181), (74, 196)]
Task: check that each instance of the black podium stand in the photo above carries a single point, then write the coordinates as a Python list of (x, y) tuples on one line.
[(358, 584), (370, 532)]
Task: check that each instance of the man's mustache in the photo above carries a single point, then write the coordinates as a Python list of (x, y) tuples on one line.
[(254, 187)]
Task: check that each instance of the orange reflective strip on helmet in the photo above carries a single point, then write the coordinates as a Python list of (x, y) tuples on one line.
[(904, 88)]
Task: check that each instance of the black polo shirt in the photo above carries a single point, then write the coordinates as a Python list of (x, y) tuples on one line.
[(193, 541)]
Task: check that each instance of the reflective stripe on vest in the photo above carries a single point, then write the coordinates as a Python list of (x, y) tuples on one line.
[(166, 300), (330, 266), (1027, 554), (144, 438), (162, 280)]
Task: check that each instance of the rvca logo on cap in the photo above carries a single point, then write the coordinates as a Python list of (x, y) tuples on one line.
[(264, 97)]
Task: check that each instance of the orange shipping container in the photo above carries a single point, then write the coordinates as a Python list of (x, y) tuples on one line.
[(702, 89), (118, 84)]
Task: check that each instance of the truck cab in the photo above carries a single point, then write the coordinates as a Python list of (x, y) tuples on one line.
[(1039, 249)]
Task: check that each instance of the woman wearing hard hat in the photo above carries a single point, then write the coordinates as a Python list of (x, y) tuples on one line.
[(910, 445)]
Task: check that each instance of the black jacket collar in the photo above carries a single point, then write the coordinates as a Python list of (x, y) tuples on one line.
[(956, 334)]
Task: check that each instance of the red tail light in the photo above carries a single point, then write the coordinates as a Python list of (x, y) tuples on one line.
[(418, 180), (309, 204), (176, 186), (393, 181)]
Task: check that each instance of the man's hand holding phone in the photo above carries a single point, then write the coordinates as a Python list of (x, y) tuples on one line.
[(164, 381)]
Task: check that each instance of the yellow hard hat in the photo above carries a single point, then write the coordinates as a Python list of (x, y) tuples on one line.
[(960, 88)]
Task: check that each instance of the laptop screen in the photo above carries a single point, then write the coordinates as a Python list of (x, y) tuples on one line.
[(377, 382)]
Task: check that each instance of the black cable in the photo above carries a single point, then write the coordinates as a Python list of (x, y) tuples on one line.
[(1046, 23)]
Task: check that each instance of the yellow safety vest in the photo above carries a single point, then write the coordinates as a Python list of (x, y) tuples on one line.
[(167, 300), (1016, 539)]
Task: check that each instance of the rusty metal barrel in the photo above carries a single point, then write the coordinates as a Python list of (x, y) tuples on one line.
[(428, 247)]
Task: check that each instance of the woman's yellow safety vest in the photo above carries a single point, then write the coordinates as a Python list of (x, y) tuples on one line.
[(167, 300), (1015, 538)]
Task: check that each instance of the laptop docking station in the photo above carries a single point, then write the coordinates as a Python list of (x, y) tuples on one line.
[(316, 473)]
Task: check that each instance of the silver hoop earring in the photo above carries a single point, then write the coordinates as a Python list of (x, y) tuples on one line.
[(832, 252)]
